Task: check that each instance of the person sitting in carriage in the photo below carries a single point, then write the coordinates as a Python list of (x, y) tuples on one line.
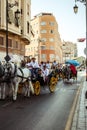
[(48, 65), (40, 76), (45, 72), (73, 69), (54, 64), (35, 65), (28, 64)]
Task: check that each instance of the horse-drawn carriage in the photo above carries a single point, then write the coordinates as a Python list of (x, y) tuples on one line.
[(68, 74), (69, 71), (39, 81), (19, 78)]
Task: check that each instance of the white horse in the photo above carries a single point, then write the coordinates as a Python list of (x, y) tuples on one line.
[(14, 75), (2, 86)]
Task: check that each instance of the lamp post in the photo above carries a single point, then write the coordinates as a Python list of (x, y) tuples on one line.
[(75, 11), (8, 6)]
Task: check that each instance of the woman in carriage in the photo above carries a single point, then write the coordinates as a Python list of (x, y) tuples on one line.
[(73, 69)]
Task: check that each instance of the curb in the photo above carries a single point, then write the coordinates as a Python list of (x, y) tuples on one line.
[(72, 111)]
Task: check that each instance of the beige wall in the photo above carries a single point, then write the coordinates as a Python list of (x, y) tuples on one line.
[(69, 50), (18, 34)]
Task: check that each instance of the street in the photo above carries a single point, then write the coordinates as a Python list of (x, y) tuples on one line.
[(48, 111)]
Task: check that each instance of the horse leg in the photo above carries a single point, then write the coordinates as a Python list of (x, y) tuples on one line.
[(15, 90), (10, 90), (3, 90), (27, 90), (31, 87)]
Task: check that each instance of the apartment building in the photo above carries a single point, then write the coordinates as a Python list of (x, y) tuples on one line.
[(69, 50), (46, 44), (17, 26)]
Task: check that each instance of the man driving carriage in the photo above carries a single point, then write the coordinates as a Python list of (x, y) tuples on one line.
[(33, 66)]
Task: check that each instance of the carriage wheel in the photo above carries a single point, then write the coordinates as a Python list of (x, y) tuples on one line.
[(61, 75), (37, 88), (56, 79), (52, 85), (57, 76)]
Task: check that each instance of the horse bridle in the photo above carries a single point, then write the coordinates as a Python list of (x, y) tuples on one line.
[(8, 73)]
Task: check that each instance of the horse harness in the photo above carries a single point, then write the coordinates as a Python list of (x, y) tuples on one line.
[(22, 77)]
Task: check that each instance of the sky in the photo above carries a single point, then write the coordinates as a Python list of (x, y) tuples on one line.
[(71, 26)]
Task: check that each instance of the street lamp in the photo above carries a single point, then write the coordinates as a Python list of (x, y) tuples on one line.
[(75, 11), (8, 6)]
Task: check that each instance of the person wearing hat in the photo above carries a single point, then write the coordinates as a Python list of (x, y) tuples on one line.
[(35, 66), (34, 63)]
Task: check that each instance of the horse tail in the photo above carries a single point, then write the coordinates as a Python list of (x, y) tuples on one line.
[(31, 87)]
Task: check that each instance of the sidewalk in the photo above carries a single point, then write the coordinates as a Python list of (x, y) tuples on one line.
[(80, 115)]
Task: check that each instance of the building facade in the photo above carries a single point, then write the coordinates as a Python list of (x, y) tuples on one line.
[(46, 44), (69, 50), (19, 29)]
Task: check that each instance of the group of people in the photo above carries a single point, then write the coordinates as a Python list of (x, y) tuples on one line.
[(71, 69), (45, 67)]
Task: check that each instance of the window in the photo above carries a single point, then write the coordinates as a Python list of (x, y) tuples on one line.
[(9, 42), (51, 23), (43, 31), (1, 40), (43, 39), (27, 27), (51, 31), (51, 47), (43, 23), (43, 47), (27, 9), (51, 39), (52, 56), (43, 56), (16, 44)]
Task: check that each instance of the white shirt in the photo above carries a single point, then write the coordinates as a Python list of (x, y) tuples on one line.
[(45, 72), (54, 63), (48, 66), (29, 65), (34, 64)]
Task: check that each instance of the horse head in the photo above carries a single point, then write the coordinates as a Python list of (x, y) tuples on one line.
[(10, 69)]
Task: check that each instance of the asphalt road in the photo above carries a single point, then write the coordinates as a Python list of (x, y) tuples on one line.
[(48, 111)]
